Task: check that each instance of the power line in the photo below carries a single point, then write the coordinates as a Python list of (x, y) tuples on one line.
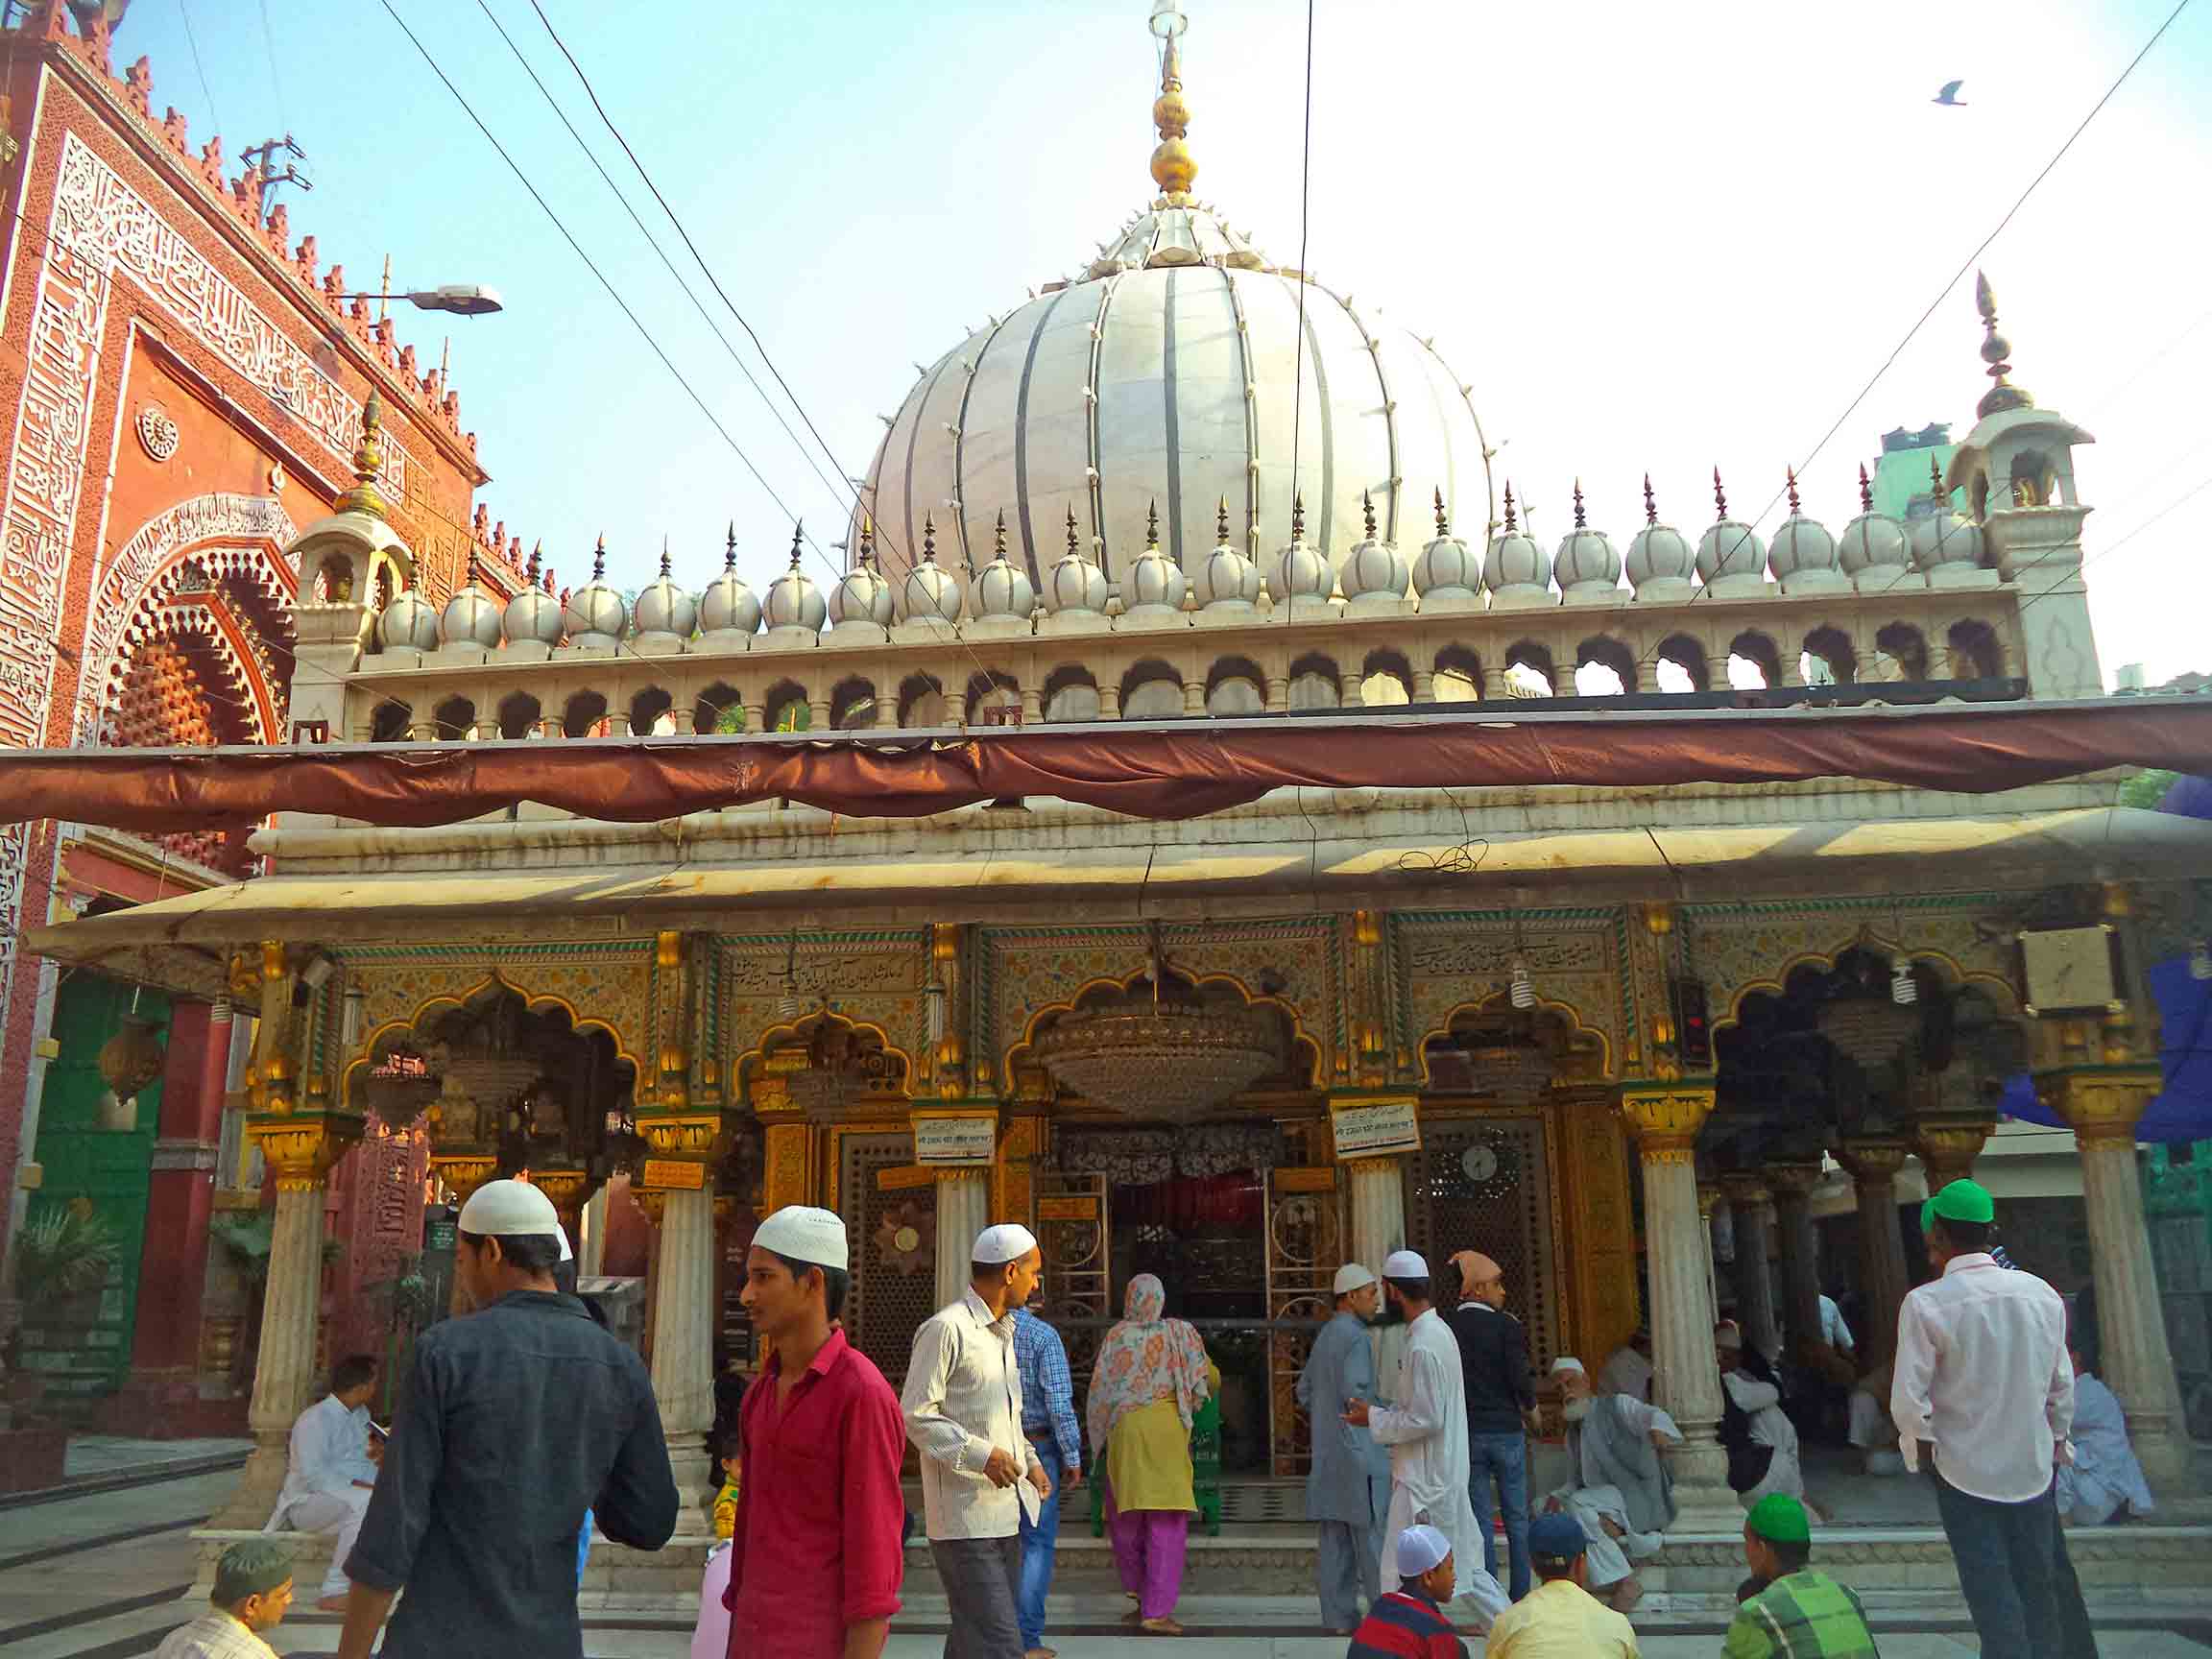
[(705, 270), (2106, 552), (275, 75), (185, 11), (666, 263), (1298, 367)]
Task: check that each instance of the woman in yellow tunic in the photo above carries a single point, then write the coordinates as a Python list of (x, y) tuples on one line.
[(1152, 1376)]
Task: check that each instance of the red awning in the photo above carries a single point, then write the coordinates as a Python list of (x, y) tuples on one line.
[(1164, 770)]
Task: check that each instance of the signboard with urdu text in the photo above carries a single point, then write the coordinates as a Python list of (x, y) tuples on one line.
[(1376, 1128), (962, 1141)]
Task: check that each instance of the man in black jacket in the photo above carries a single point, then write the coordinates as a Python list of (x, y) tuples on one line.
[(519, 1418), (1501, 1410)]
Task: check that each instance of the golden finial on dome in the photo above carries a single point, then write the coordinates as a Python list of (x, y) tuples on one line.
[(1443, 517), (368, 463), (1152, 526), (1173, 169), (867, 541), (1072, 530)]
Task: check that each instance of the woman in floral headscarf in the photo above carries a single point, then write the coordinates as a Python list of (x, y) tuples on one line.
[(1152, 1376)]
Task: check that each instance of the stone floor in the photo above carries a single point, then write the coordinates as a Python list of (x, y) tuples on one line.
[(98, 1576), (93, 1455)]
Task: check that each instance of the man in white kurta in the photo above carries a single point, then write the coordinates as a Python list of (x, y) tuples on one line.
[(1426, 1431), (2104, 1477), (1770, 1426), (1621, 1493)]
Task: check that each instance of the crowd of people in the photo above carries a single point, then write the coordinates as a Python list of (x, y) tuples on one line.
[(527, 1427)]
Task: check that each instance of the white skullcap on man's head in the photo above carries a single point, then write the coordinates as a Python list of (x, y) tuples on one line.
[(803, 1233), (510, 1210), (1007, 1242), (1404, 1264), (1728, 1334), (1419, 1548), (1353, 1277), (1567, 1363)]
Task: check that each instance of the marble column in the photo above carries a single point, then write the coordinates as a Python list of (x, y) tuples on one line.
[(1874, 1161), (591, 1252), (285, 1379), (963, 1211), (2103, 1104), (1792, 1185), (1753, 1207), (1379, 1228), (1708, 1201), (1947, 1147), (1665, 1118), (683, 1363)]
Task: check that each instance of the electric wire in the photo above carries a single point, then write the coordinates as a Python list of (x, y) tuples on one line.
[(1305, 217), (192, 41), (275, 75)]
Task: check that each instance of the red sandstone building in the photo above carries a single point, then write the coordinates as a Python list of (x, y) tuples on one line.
[(183, 384)]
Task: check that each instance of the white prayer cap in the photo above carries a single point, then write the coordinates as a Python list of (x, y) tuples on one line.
[(806, 1233), (1003, 1243), (510, 1210), (1406, 1264), (1567, 1363), (1728, 1334), (1353, 1277), (1419, 1548)]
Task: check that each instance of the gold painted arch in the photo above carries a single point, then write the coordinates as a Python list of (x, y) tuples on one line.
[(1571, 1013), (531, 1000), (1955, 974), (1300, 1037), (788, 1033)]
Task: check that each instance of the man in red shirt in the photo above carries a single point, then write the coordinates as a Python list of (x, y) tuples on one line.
[(818, 1549)]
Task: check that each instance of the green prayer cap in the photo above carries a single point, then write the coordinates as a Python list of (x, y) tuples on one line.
[(251, 1567), (1780, 1519), (1961, 1201)]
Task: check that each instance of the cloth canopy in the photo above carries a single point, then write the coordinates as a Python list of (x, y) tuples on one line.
[(1169, 769)]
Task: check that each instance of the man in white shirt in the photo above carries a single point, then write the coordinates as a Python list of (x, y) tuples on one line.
[(1622, 1492), (332, 1471), (980, 1473), (1834, 1332), (1982, 1376), (1426, 1430)]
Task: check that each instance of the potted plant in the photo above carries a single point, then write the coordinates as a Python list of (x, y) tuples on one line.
[(62, 1259)]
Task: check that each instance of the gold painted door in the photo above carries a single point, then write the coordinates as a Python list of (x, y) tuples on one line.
[(1485, 1184), (1074, 1233), (1304, 1234)]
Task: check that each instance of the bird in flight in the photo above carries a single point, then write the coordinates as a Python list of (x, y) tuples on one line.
[(1950, 95)]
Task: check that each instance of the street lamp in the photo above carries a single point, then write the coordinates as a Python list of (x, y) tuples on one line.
[(462, 298)]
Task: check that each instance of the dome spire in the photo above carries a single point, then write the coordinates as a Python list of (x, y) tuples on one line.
[(1511, 522), (1443, 518), (1581, 522), (368, 463), (867, 541), (1795, 510), (1070, 530), (1221, 521), (598, 561), (1298, 516), (1367, 509), (1173, 169), (730, 547), (1152, 526), (1651, 502), (666, 570), (1865, 489), (1720, 496), (1995, 348), (798, 535)]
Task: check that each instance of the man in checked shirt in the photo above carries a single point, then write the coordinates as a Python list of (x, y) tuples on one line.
[(1048, 1419)]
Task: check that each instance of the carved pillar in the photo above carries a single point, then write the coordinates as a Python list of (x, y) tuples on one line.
[(1947, 1147), (2103, 1104), (1708, 1201), (1792, 1185), (1665, 1117), (299, 1153), (1753, 1207), (1874, 1161), (681, 1364), (963, 1211), (1378, 1228)]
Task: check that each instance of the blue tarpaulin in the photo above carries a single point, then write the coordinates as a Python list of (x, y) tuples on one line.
[(2183, 1109)]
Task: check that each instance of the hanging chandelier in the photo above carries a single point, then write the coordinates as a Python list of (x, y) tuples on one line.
[(1509, 1071), (1868, 1031), (1147, 1054)]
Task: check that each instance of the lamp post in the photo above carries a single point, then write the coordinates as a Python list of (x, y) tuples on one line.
[(462, 298)]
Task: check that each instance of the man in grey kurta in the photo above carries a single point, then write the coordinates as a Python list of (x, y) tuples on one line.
[(1348, 1491)]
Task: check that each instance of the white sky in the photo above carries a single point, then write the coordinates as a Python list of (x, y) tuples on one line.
[(1653, 238)]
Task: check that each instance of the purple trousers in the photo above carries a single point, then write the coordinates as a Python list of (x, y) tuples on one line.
[(1148, 1545)]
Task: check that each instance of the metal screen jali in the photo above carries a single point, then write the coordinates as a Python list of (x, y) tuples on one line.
[(1305, 1247), (1482, 1184), (890, 1294), (1075, 1234)]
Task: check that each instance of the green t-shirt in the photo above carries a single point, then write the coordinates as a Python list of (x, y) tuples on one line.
[(1803, 1614)]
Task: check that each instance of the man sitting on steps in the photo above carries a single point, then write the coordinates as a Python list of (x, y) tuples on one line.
[(332, 1471)]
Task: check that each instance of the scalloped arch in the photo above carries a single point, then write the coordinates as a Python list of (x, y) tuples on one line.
[(1572, 1013), (1953, 973), (1300, 1037)]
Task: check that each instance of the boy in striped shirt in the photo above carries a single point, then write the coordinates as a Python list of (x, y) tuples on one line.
[(1410, 1622)]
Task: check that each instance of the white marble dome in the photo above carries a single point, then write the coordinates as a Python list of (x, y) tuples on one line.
[(1153, 585), (1658, 552), (409, 623), (471, 616), (793, 600), (1803, 549), (1167, 372), (1515, 565), (1730, 550), (1300, 571), (1225, 577), (665, 608), (1587, 565), (929, 592), (1946, 540), (728, 605), (1447, 568), (1374, 571), (596, 613), (862, 597), (533, 615), (1075, 586), (1873, 542), (1003, 590)]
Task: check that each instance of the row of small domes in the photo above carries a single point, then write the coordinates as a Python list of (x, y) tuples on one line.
[(1659, 559)]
